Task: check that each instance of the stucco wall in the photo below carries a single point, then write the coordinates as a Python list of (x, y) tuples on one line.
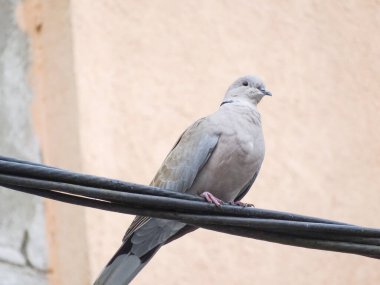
[(23, 257), (118, 81), (56, 122), (147, 69)]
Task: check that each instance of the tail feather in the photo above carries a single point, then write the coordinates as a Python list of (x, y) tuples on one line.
[(124, 266)]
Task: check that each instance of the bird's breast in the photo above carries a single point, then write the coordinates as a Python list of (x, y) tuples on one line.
[(237, 157)]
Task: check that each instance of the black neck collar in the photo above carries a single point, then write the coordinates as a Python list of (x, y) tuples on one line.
[(226, 102)]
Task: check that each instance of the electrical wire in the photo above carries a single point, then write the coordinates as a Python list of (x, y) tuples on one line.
[(130, 198)]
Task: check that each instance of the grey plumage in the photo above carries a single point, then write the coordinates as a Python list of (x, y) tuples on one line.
[(221, 154)]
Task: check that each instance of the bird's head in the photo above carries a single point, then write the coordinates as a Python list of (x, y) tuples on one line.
[(249, 89)]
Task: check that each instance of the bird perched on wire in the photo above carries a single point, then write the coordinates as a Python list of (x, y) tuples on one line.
[(218, 157)]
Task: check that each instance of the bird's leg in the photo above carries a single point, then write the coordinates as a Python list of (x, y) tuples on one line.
[(211, 198), (242, 204)]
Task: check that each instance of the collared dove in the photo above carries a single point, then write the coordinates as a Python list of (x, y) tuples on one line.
[(218, 158)]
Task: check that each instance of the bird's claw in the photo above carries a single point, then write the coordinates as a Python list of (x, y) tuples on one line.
[(211, 199), (242, 204)]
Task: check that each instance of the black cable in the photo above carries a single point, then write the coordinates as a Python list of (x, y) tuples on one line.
[(287, 239), (225, 215), (32, 170), (123, 197)]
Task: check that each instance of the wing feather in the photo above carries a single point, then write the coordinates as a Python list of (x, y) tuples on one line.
[(183, 163)]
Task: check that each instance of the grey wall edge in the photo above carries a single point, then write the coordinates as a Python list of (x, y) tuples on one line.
[(23, 243)]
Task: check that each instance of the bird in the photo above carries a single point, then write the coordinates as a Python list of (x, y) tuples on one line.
[(218, 158)]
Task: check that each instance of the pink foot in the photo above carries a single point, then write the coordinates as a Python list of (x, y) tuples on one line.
[(242, 204), (211, 199)]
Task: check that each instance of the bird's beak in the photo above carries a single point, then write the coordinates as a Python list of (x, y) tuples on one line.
[(265, 92)]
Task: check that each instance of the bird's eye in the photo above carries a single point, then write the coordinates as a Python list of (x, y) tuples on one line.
[(245, 83)]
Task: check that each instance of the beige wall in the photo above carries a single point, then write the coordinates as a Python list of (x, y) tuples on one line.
[(48, 24), (126, 77)]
